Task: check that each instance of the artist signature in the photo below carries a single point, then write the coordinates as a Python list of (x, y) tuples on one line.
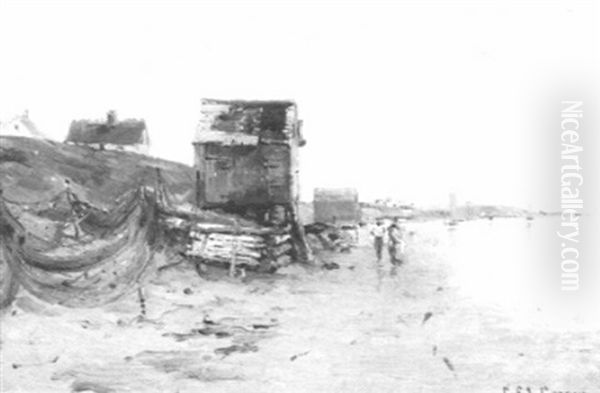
[(541, 389)]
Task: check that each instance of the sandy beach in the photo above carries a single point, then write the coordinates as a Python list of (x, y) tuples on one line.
[(365, 327)]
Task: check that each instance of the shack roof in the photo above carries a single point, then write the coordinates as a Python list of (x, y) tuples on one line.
[(248, 103), (126, 132), (273, 119)]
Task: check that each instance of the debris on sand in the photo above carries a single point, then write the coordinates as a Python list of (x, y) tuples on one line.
[(210, 374), (426, 317), (448, 364), (434, 350), (294, 357), (16, 366), (174, 264), (322, 236), (85, 386), (330, 265), (187, 365), (262, 326), (242, 348), (223, 329), (205, 331), (207, 321)]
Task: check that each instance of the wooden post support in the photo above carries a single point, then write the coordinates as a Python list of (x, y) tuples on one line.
[(303, 251), (199, 190), (234, 249)]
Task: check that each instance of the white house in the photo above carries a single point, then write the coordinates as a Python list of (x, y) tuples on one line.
[(20, 125)]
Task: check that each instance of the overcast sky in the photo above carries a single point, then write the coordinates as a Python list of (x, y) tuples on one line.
[(409, 100)]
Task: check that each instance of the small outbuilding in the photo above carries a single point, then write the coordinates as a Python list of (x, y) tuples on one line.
[(338, 206)]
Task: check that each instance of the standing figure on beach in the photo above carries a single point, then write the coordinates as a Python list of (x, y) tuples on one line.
[(378, 233), (395, 242)]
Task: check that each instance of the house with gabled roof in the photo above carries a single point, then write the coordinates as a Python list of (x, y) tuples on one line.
[(111, 134)]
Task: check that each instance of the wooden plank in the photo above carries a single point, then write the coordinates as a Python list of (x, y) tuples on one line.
[(224, 229)]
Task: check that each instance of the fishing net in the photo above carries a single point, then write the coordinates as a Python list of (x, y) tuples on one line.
[(87, 273)]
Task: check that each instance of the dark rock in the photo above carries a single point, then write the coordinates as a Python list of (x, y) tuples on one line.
[(330, 265), (426, 317)]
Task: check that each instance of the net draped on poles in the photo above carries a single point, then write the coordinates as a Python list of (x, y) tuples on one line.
[(105, 264)]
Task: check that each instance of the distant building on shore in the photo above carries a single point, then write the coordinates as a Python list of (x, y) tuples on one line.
[(20, 125), (336, 206), (111, 134)]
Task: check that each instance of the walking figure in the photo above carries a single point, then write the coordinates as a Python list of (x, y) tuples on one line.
[(395, 242), (378, 233)]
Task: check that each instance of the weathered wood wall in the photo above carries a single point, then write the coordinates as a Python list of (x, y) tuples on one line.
[(246, 153), (244, 175)]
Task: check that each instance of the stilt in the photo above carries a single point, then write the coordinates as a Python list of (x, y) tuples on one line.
[(142, 301), (234, 249), (304, 253)]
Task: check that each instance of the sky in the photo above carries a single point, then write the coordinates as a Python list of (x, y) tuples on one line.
[(402, 99)]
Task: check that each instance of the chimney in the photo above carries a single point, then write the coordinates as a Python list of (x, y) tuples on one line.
[(111, 117)]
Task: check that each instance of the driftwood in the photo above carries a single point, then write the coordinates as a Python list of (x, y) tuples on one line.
[(331, 237)]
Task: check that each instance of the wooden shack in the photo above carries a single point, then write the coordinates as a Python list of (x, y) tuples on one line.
[(246, 161), (339, 206), (246, 153)]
